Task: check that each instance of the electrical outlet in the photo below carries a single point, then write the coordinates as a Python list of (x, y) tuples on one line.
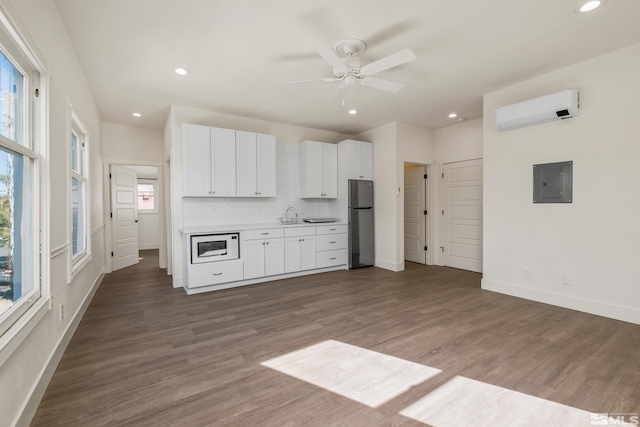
[(61, 312), (526, 273), (566, 280)]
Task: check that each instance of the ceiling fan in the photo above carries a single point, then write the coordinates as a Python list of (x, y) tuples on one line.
[(349, 70)]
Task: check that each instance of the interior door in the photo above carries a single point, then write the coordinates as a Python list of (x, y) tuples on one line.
[(124, 211), (414, 214), (462, 215)]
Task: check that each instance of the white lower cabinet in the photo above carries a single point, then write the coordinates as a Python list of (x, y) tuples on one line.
[(263, 256), (272, 252), (300, 253)]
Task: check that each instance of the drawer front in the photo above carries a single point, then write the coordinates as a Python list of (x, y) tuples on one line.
[(328, 242), (331, 258), (262, 234), (214, 273), (330, 229), (299, 231)]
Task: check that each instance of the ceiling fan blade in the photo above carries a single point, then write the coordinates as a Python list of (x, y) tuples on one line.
[(332, 58), (328, 79), (377, 83), (392, 31), (390, 61)]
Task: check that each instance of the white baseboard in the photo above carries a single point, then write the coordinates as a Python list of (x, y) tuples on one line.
[(393, 266), (30, 406), (599, 308)]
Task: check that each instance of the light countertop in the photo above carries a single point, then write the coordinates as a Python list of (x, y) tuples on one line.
[(241, 227)]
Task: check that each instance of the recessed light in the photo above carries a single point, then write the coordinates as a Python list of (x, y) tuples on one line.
[(136, 114), (589, 6), (182, 71), (453, 115), (353, 111)]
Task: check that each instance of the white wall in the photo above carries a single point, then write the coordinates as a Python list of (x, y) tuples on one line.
[(593, 240), (24, 374), (394, 144), (128, 145), (132, 145)]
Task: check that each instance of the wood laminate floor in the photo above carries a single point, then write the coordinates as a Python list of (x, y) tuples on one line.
[(365, 347)]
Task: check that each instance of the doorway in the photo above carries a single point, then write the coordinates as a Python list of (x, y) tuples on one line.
[(415, 213), (135, 213)]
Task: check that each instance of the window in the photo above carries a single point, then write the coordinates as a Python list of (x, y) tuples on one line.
[(22, 127), (147, 202), (78, 139)]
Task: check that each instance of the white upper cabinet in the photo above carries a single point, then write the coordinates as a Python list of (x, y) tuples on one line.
[(223, 165), (359, 160), (255, 164), (208, 161), (318, 170)]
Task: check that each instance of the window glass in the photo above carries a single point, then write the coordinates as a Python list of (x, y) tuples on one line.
[(77, 216), (146, 197), (11, 94), (16, 229), (74, 152)]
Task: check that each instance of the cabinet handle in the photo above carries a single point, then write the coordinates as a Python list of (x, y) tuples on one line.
[(303, 240), (264, 234), (216, 274), (332, 242), (333, 258), (267, 243), (332, 229), (256, 193)]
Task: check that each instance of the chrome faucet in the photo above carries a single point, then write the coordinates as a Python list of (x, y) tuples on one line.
[(287, 219)]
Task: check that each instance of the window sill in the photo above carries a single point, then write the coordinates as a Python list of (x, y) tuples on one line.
[(78, 265), (12, 339)]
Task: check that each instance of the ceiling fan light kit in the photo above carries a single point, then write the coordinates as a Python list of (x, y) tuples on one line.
[(348, 70)]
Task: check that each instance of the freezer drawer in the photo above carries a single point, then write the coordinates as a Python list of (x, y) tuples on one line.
[(331, 258), (214, 273)]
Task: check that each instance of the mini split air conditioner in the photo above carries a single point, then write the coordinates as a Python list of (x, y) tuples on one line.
[(548, 108)]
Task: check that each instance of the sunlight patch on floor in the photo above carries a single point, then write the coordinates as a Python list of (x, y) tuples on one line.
[(366, 376), (463, 401)]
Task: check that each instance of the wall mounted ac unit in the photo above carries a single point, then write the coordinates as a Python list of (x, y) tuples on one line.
[(548, 108)]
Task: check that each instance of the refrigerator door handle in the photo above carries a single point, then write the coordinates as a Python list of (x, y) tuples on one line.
[(362, 208)]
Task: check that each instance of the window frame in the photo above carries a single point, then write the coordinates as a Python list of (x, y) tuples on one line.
[(76, 126), (153, 182), (31, 308)]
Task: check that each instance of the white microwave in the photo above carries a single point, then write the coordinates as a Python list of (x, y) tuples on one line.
[(214, 247)]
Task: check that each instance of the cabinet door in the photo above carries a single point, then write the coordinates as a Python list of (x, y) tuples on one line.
[(330, 170), (366, 161), (246, 164), (308, 253), (353, 160), (196, 161), (223, 162), (274, 257), (253, 258), (266, 165), (312, 169), (292, 254)]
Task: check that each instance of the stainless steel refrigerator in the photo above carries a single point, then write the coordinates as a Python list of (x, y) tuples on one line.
[(360, 223)]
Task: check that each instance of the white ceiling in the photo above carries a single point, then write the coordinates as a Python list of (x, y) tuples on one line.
[(240, 52)]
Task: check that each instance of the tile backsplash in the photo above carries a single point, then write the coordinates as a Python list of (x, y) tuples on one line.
[(227, 211)]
